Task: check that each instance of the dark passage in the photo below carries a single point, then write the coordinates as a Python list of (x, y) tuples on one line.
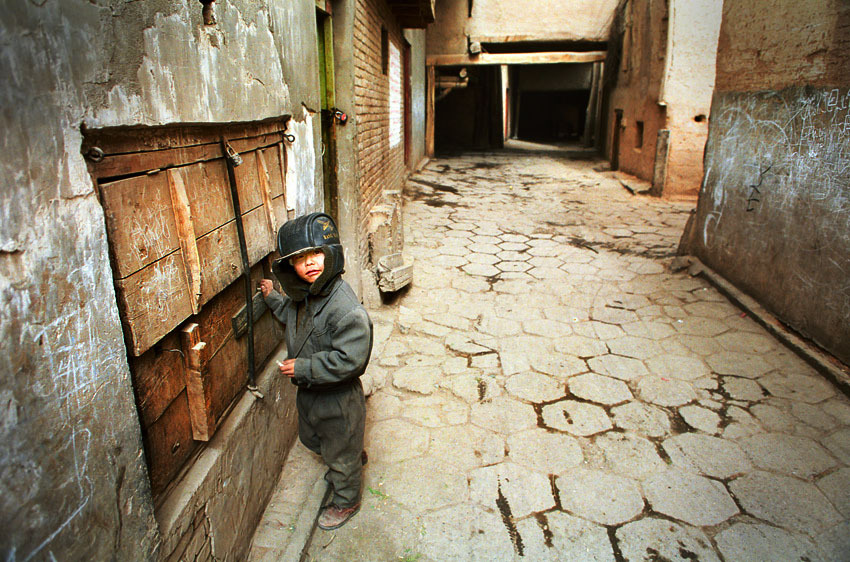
[(552, 116)]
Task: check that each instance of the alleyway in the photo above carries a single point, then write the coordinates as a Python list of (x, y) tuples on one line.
[(549, 390)]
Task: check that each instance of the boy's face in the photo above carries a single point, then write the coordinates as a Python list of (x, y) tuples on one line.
[(309, 265)]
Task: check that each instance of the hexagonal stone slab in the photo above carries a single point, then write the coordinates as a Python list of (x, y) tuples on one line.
[(836, 487), (690, 498), (633, 346), (623, 368), (459, 532), (641, 418), (503, 415), (789, 454), (744, 541), (660, 539), (630, 455), (785, 501), (599, 496), (806, 388), (480, 269), (472, 388), (403, 483), (839, 444), (417, 379), (682, 367), (701, 419), (738, 364), (535, 387), (580, 346), (544, 451), (814, 415), (742, 389), (482, 259), (511, 489), (698, 326), (396, 440), (747, 342), (555, 535), (561, 366), (599, 389), (667, 392), (576, 418), (711, 456)]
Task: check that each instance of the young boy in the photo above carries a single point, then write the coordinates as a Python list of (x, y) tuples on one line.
[(329, 340)]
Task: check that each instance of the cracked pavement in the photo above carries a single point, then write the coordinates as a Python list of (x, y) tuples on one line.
[(548, 389)]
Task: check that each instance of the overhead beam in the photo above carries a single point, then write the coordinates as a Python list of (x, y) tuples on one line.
[(516, 58)]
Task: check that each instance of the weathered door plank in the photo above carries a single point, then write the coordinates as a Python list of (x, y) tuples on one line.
[(186, 233)]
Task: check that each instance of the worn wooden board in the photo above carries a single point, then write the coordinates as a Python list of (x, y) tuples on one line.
[(139, 222), (158, 377), (153, 302), (227, 370), (168, 443)]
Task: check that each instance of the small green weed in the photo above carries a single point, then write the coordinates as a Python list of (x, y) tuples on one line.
[(377, 493)]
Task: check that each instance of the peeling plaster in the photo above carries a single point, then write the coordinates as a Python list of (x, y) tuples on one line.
[(301, 184), (204, 75)]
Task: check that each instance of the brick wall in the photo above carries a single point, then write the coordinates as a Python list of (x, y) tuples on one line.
[(380, 153)]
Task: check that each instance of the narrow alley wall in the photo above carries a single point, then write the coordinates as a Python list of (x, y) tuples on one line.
[(686, 90), (634, 114), (774, 209), (74, 484), (379, 102)]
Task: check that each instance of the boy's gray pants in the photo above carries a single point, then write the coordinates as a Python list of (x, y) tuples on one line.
[(331, 424)]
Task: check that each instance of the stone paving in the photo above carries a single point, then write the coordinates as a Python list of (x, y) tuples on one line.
[(549, 390)]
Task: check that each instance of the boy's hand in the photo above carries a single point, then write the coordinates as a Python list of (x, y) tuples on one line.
[(266, 287), (287, 368)]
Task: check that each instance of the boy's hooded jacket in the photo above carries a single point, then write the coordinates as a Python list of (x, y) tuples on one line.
[(332, 340)]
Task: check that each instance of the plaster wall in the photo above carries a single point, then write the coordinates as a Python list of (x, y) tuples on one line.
[(686, 90), (774, 210), (506, 21), (74, 482)]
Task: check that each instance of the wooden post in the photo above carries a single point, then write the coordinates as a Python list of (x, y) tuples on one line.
[(659, 173), (429, 111), (197, 390)]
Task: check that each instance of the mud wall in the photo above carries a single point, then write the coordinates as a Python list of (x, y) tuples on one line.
[(642, 38), (774, 209), (74, 484), (501, 21)]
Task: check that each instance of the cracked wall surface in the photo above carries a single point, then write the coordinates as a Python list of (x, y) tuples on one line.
[(72, 464), (772, 213)]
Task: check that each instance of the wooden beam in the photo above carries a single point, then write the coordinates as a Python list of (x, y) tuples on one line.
[(554, 57)]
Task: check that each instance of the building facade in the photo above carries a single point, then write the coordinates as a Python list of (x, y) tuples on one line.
[(774, 206), (153, 150)]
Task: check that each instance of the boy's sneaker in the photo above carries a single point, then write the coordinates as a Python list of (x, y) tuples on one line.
[(334, 517)]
